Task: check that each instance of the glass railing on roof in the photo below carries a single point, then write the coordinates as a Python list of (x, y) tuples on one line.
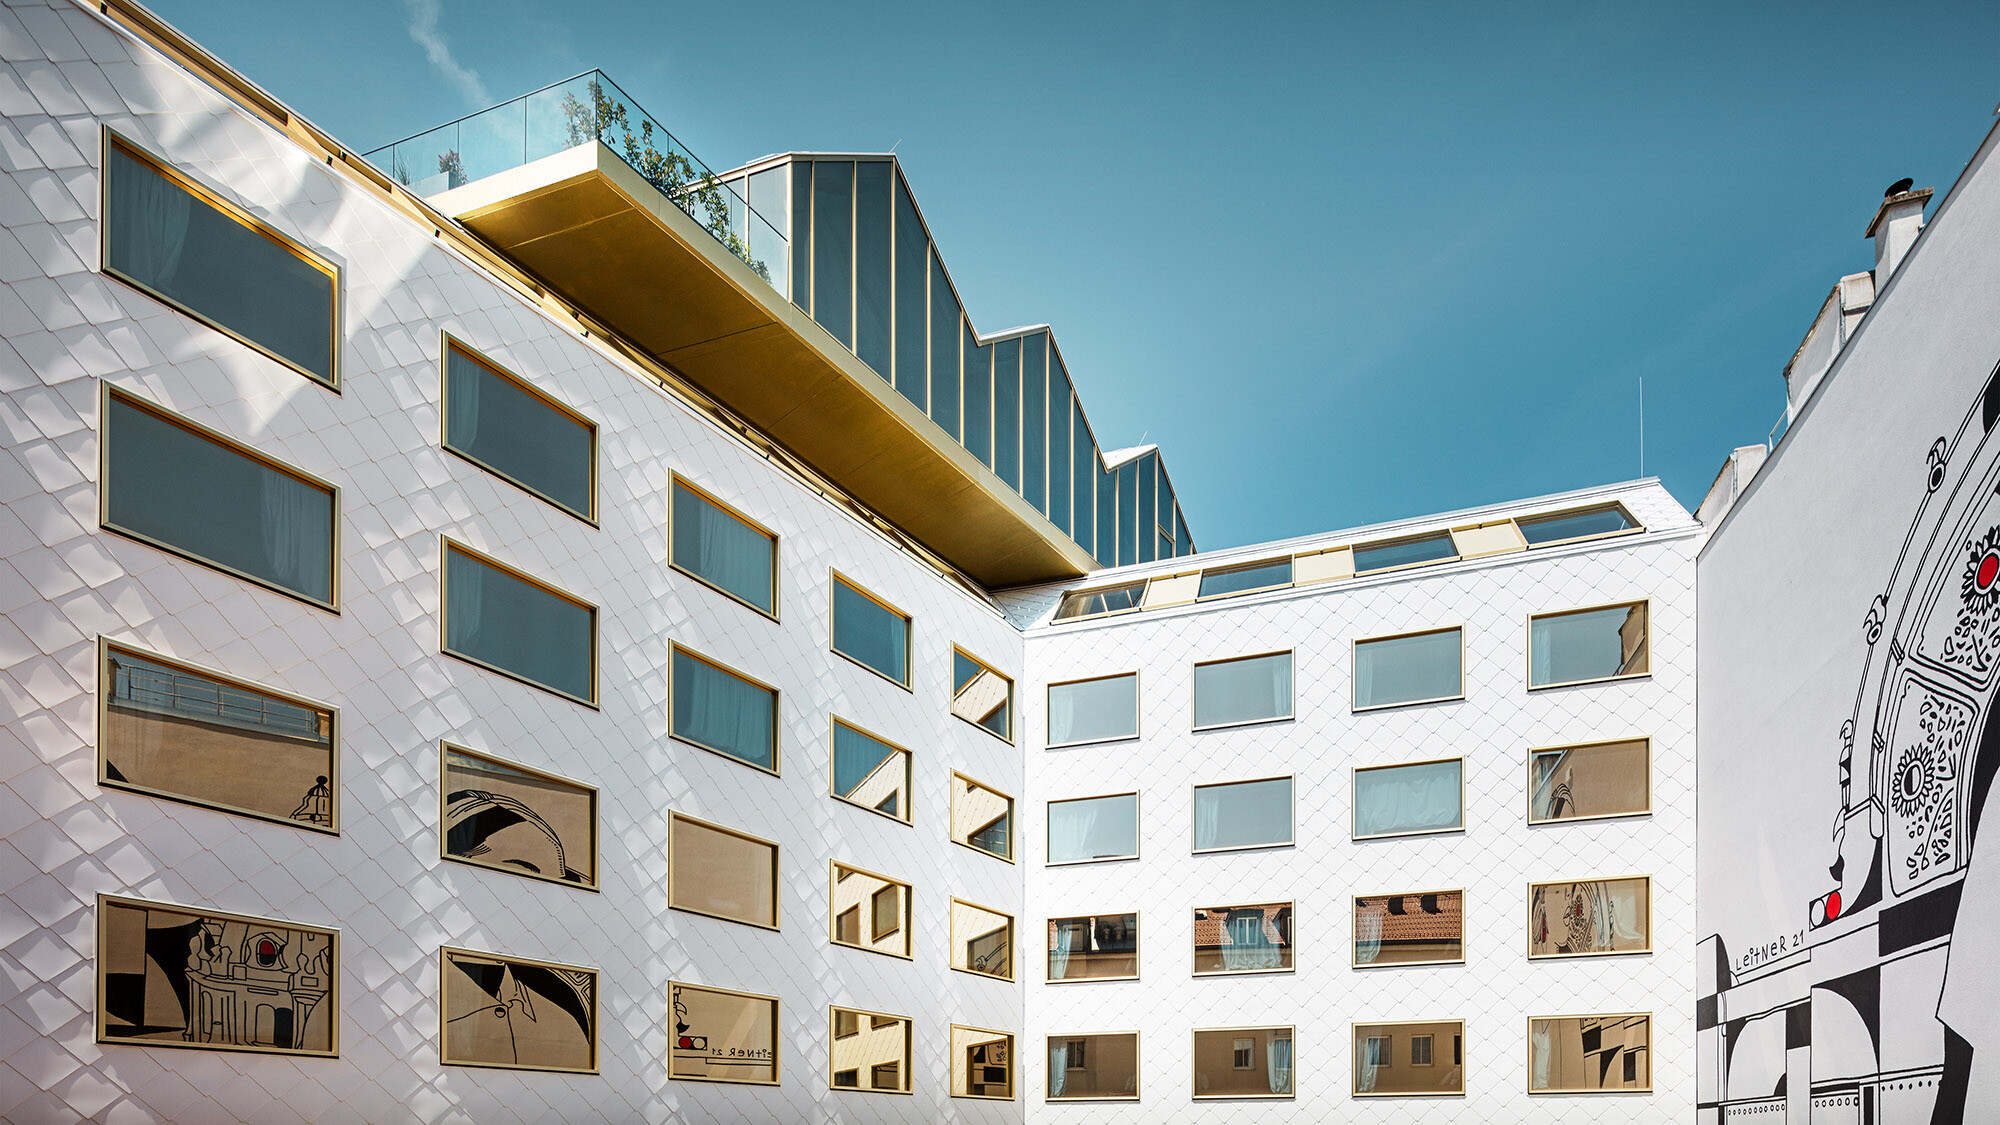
[(574, 112)]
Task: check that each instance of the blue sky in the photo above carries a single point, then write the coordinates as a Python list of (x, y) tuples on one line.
[(1343, 262)]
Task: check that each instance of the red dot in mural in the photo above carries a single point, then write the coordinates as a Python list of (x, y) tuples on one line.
[(1833, 900), (1989, 569)]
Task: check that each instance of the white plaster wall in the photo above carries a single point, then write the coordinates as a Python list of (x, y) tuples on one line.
[(1497, 989), (65, 73)]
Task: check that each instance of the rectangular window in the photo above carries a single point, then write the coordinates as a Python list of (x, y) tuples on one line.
[(833, 248), (1087, 829), (1059, 439), (1007, 411), (170, 730), (1417, 928), (1376, 1073), (1398, 553), (912, 301), (1568, 527), (723, 1036), (1034, 421), (978, 405), (1409, 800), (1590, 1054), (1253, 938), (982, 818), (561, 1035), (872, 253), (982, 1063), (153, 986), (944, 350), (871, 773), (724, 711), (1247, 689), (1097, 710), (981, 696), (499, 618), (982, 940), (725, 550), (1412, 668), (1094, 947), (1095, 603), (1590, 781), (189, 490), (1094, 1067), (870, 631), (510, 818), (497, 421), (1226, 581), (1243, 814), (184, 244), (1243, 1062), (721, 872), (873, 1060), (1590, 918), (1584, 646), (870, 911)]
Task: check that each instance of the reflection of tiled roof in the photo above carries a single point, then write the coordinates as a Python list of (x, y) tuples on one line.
[(1209, 930), (1415, 923)]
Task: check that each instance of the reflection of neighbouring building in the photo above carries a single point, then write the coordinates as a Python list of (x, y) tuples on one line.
[(1409, 1058), (1102, 946), (870, 1052), (1591, 1053), (980, 815), (1243, 1062), (868, 912), (1241, 939), (1392, 929), (215, 981)]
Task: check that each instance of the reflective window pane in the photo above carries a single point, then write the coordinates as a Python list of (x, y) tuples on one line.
[(944, 350), (870, 1051), (872, 250), (1403, 800), (912, 302), (1034, 420), (1589, 1054), (1565, 526), (501, 424), (504, 621), (1409, 1059), (183, 490), (1426, 927), (724, 550), (1243, 814), (833, 248), (982, 696), (982, 940), (1094, 710), (722, 873), (1093, 1067), (1584, 782), (802, 238), (982, 818), (870, 772), (723, 1036), (978, 397), (1248, 938), (1592, 917), (1007, 411), (1593, 644), (870, 912), (1090, 603), (1059, 438), (1250, 690), (982, 1063), (177, 242), (870, 632), (1404, 552), (1243, 1062), (1128, 517), (1235, 580), (1083, 482), (1094, 947), (1147, 477), (516, 820), (1414, 669), (1091, 828), (1107, 514), (718, 710)]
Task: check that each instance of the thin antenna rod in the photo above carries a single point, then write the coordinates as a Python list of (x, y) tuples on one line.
[(1642, 426)]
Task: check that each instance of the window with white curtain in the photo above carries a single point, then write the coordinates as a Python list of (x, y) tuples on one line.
[(497, 421), (870, 772), (1412, 668), (1085, 829), (1243, 814), (1103, 1067), (1095, 710), (719, 547), (1094, 947), (500, 618), (1587, 645), (1248, 689), (1379, 1071), (1244, 938), (725, 711), (1243, 1062), (1409, 799), (195, 493), (870, 631)]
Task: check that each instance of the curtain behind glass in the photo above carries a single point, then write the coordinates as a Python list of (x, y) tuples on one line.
[(1243, 691), (1407, 669), (517, 626), (1367, 937), (722, 549), (1058, 1068), (871, 634), (1543, 1050), (715, 709), (147, 221), (1417, 798), (1278, 1060), (1579, 646), (855, 757), (1094, 710), (1243, 814), (1365, 1068), (1070, 827), (1249, 948), (1059, 946)]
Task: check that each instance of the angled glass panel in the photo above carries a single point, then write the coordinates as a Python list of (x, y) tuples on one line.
[(1083, 481), (978, 396), (527, 630), (873, 294), (1094, 828), (1094, 1067), (1424, 928), (1408, 800), (1128, 514), (1404, 552), (768, 237), (1245, 938), (833, 248), (869, 632), (981, 695), (802, 236), (1146, 473), (718, 710), (724, 550), (1007, 411), (1241, 579), (173, 485), (1059, 453), (1419, 668), (1243, 1062), (944, 351), (1183, 539), (870, 772), (1107, 517), (500, 423), (1097, 947), (1251, 689), (1243, 814), (1034, 420), (1593, 644), (1094, 710), (912, 303), (1562, 527), (181, 243)]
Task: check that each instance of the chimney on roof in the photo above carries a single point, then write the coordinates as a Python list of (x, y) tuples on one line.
[(1895, 226)]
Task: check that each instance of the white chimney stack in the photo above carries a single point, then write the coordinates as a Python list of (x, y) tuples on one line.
[(1895, 226)]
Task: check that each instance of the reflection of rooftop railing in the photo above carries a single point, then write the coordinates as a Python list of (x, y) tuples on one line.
[(576, 111), (148, 687)]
